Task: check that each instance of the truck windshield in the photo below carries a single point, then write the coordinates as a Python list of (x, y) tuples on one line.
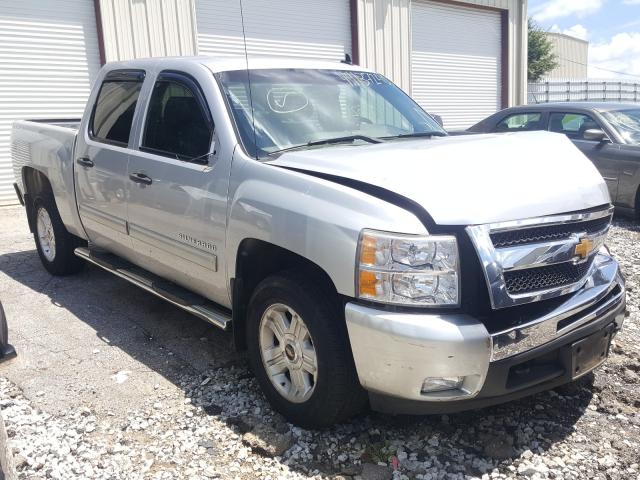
[(627, 122), (307, 108)]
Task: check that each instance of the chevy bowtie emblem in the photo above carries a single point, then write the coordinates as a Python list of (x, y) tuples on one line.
[(584, 248)]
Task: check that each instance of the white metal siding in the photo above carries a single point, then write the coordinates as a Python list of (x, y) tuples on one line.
[(572, 56), (384, 36), (504, 4), (147, 28), (384, 33), (290, 28), (456, 62), (48, 59)]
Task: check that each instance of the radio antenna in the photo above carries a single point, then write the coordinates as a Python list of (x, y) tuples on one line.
[(246, 58)]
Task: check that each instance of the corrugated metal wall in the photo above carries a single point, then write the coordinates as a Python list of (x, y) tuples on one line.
[(504, 4), (572, 57), (148, 28), (384, 37), (48, 60), (300, 28), (518, 52), (219, 30)]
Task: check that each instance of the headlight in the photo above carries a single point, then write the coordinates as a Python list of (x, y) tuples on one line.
[(408, 269)]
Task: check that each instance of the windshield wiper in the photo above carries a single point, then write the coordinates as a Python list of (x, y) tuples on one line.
[(434, 133), (329, 141), (348, 138)]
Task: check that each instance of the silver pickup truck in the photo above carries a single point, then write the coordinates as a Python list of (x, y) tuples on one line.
[(357, 252)]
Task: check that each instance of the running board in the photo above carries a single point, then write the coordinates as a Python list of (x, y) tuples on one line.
[(172, 293)]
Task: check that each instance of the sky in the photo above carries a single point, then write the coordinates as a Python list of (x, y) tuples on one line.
[(612, 28)]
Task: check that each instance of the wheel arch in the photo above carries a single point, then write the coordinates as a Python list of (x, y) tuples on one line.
[(36, 183), (256, 260)]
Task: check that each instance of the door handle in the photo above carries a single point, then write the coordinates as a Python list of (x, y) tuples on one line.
[(140, 178), (85, 162)]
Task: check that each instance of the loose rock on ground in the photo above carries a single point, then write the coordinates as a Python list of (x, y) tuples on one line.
[(191, 409)]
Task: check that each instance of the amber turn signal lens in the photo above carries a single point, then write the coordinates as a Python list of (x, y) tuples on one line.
[(368, 249), (367, 283)]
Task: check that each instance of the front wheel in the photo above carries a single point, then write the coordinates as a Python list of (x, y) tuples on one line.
[(54, 243), (299, 351)]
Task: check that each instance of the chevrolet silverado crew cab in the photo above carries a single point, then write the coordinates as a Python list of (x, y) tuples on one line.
[(357, 252)]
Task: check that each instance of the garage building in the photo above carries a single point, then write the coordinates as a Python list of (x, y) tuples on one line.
[(572, 55), (462, 60)]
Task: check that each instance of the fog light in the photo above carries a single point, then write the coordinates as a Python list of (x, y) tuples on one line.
[(440, 384)]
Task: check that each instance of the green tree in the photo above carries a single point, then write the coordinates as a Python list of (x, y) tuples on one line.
[(542, 59)]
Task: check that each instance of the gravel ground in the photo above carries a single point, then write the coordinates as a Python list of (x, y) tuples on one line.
[(112, 383)]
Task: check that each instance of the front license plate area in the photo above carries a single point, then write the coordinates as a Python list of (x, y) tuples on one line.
[(590, 352)]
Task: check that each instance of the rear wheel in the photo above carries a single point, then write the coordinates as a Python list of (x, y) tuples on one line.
[(299, 351), (54, 243)]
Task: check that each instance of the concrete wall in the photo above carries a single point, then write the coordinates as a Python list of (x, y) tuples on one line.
[(572, 57), (384, 38)]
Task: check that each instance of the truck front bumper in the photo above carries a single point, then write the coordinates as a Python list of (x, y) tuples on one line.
[(396, 352)]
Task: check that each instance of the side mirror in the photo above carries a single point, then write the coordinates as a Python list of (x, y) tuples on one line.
[(595, 135), (438, 119)]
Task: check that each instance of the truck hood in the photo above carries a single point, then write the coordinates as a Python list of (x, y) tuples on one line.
[(469, 179)]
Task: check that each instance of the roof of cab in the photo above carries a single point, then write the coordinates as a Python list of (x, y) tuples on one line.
[(237, 62)]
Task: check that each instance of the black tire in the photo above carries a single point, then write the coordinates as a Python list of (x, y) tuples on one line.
[(63, 261), (337, 394)]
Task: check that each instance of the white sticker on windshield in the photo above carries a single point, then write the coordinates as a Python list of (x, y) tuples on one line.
[(286, 101), (363, 79)]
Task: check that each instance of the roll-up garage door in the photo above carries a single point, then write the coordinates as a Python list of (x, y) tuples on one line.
[(290, 28), (456, 61), (48, 58)]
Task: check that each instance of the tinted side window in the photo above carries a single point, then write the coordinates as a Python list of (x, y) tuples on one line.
[(520, 122), (113, 111), (573, 125), (177, 125)]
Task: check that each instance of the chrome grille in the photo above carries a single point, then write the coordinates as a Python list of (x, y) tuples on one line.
[(534, 259), (543, 278), (546, 233)]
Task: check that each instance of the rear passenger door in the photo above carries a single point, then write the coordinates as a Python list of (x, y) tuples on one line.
[(177, 196), (604, 155), (101, 161)]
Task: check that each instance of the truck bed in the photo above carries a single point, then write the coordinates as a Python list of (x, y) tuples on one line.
[(47, 145), (71, 123)]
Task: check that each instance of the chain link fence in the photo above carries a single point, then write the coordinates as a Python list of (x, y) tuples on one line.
[(583, 90)]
